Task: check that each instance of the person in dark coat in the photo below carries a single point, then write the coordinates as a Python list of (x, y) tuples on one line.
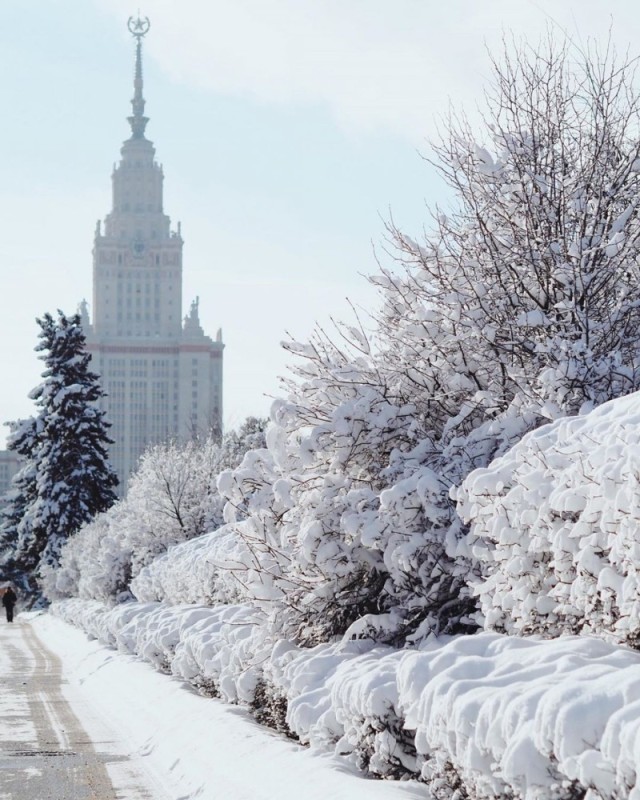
[(9, 599)]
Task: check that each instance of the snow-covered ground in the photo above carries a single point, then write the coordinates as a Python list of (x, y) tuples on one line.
[(501, 716), (198, 747)]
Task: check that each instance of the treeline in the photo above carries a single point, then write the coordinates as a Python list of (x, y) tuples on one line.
[(521, 306)]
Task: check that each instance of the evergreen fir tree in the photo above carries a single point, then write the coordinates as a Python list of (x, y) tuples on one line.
[(15, 532), (66, 479)]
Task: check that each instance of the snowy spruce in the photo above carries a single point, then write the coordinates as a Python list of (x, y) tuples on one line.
[(465, 458), (65, 479)]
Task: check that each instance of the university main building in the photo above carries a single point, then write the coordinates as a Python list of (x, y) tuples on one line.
[(162, 375)]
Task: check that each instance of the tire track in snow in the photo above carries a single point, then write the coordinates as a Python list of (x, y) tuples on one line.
[(46, 753)]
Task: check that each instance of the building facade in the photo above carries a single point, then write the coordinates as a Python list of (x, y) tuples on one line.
[(9, 465), (162, 374)]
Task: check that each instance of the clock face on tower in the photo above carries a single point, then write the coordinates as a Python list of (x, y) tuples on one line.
[(138, 248)]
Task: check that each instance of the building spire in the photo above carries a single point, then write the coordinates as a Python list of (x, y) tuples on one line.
[(138, 29)]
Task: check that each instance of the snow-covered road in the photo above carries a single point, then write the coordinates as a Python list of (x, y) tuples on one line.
[(46, 751), (191, 746)]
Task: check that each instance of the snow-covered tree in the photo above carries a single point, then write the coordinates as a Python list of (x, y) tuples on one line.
[(315, 553), (528, 290), (522, 304), (66, 478), (172, 497), (15, 532)]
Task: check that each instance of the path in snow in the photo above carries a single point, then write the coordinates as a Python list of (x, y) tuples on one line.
[(45, 751)]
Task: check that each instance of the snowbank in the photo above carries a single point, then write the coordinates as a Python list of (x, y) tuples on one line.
[(496, 716), (528, 719), (218, 650), (198, 749), (556, 525)]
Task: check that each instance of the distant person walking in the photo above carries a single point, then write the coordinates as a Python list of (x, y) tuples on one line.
[(9, 600)]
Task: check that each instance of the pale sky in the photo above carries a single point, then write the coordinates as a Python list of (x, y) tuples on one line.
[(289, 130)]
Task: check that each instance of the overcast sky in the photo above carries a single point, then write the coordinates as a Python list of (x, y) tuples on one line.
[(289, 130)]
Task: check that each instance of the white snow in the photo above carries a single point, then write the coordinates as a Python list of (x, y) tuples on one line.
[(199, 747), (555, 522), (506, 716)]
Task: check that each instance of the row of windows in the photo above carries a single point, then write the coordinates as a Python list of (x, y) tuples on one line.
[(139, 207), (147, 333), (114, 257), (155, 274), (138, 302), (138, 288), (117, 367), (140, 368), (130, 316)]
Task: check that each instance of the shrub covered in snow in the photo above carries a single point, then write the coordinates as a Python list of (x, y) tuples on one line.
[(556, 524), (344, 697), (197, 571), (521, 305), (487, 716), (221, 651), (172, 498), (526, 719)]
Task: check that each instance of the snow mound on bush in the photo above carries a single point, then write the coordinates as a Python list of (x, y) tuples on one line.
[(555, 523), (344, 697), (500, 717), (218, 650), (190, 572), (522, 718), (490, 715)]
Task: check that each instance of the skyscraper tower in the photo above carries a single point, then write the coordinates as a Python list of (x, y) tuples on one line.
[(162, 375)]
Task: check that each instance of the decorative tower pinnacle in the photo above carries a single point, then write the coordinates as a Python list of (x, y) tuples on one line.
[(138, 29), (162, 381)]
